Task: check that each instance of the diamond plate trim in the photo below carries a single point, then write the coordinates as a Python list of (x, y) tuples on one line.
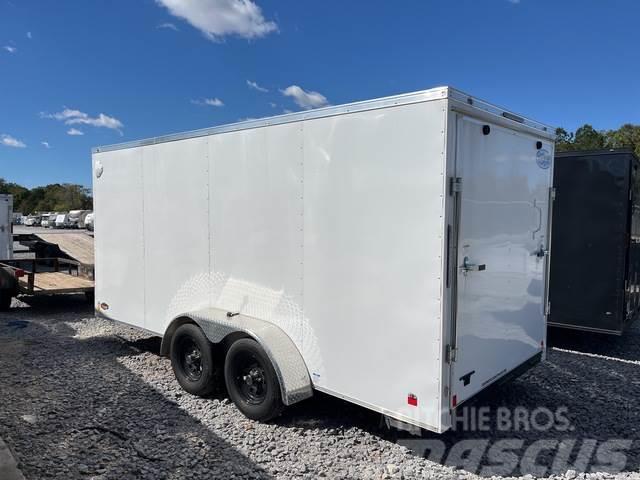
[(293, 376)]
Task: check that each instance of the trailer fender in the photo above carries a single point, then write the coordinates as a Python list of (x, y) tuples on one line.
[(217, 324)]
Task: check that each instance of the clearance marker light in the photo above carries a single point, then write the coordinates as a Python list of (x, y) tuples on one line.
[(412, 400), (454, 400)]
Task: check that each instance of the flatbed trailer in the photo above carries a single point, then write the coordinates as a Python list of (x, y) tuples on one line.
[(43, 276)]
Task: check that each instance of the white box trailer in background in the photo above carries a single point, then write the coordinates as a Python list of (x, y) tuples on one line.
[(391, 252), (6, 232)]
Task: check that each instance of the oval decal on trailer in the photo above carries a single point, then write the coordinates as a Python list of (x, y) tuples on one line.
[(543, 159)]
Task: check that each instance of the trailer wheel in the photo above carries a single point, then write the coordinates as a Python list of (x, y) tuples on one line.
[(251, 381), (192, 360), (5, 300)]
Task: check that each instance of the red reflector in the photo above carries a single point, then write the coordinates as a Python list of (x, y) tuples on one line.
[(454, 400), (412, 400), (18, 272)]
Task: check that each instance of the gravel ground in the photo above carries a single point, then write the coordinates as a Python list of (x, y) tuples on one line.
[(87, 398)]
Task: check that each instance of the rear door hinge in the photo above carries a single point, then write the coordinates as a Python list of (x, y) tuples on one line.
[(455, 185), (450, 354), (553, 193), (547, 308)]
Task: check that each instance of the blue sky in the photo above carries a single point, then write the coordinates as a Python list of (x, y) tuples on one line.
[(120, 70)]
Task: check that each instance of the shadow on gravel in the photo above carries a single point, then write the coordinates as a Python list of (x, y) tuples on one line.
[(576, 411), (70, 410), (624, 347)]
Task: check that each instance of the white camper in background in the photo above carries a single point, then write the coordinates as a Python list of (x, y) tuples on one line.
[(77, 218), (391, 252), (61, 221), (6, 233), (89, 221)]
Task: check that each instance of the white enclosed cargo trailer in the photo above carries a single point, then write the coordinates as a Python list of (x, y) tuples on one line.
[(391, 252), (6, 234)]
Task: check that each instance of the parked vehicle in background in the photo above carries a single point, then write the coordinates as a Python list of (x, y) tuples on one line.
[(50, 220), (32, 220), (17, 218), (44, 219), (89, 221), (61, 221), (391, 252), (77, 218)]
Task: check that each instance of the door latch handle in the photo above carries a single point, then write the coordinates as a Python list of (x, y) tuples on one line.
[(541, 252), (471, 267)]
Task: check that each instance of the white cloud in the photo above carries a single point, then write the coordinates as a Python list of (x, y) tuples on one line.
[(168, 25), (212, 102), (257, 87), (9, 141), (219, 18), (74, 132), (76, 117), (273, 104), (10, 49), (305, 99), (515, 2), (45, 144), (29, 36)]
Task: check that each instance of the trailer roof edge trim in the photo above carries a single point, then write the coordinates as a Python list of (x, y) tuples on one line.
[(437, 93)]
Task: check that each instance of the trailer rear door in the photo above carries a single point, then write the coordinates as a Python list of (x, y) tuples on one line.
[(502, 203)]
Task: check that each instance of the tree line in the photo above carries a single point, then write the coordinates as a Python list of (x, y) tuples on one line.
[(588, 138), (56, 197)]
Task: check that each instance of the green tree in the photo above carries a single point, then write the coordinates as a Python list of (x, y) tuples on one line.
[(588, 138), (627, 135), (564, 140), (54, 197)]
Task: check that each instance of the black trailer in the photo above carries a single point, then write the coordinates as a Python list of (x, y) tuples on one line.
[(595, 247)]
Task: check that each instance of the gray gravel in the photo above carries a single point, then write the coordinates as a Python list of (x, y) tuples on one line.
[(86, 398)]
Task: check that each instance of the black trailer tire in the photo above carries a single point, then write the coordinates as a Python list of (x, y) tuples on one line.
[(193, 362), (5, 300), (251, 381)]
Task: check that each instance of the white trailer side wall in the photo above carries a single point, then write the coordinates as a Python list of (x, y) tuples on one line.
[(256, 224), (374, 187), (331, 228), (176, 229), (119, 234)]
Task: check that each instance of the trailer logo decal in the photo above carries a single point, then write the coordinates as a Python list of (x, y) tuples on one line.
[(99, 169), (466, 378), (412, 400), (543, 159)]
